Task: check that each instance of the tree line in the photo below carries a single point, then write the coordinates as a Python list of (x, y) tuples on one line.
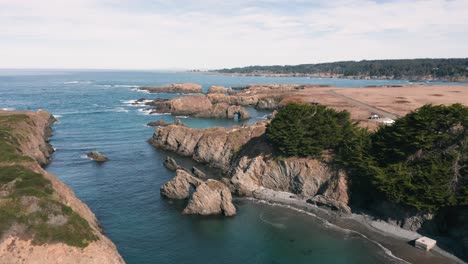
[(395, 69)]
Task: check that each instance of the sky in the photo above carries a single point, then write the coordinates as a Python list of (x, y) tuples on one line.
[(210, 34)]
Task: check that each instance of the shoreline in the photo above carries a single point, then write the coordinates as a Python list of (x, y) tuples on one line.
[(315, 76), (394, 241)]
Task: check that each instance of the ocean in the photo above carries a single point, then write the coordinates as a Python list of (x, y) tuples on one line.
[(94, 112)]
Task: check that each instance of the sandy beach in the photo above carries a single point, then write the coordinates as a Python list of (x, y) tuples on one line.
[(394, 240)]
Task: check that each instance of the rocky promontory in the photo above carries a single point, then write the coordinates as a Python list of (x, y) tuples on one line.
[(183, 88), (42, 221), (247, 161), (200, 106), (215, 146)]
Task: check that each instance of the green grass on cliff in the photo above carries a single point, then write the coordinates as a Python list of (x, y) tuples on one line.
[(9, 137), (28, 200)]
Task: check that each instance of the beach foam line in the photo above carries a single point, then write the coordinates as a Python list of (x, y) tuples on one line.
[(387, 251), (77, 82), (118, 85), (140, 91), (120, 110), (134, 103)]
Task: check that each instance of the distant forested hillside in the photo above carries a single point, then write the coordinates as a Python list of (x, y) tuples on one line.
[(410, 69)]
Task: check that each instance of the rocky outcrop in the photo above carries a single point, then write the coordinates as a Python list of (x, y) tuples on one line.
[(200, 106), (217, 90), (215, 146), (174, 88), (179, 186), (268, 103), (210, 198), (18, 245), (97, 156)]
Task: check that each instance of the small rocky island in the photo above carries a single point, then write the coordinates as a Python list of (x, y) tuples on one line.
[(97, 156)]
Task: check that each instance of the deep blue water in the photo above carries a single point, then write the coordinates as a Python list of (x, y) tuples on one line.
[(94, 114)]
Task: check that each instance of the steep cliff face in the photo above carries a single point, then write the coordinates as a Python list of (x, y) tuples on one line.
[(215, 146), (247, 161), (70, 233)]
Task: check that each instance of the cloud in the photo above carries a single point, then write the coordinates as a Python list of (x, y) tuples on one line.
[(210, 34)]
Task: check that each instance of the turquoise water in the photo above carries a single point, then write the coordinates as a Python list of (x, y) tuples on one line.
[(94, 114)]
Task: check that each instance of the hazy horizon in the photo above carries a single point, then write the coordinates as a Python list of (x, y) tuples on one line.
[(186, 35)]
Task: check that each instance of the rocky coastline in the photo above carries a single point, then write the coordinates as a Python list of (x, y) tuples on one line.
[(20, 245), (249, 168)]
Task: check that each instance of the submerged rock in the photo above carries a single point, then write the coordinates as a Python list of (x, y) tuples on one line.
[(171, 164), (200, 174), (96, 156), (179, 186), (210, 198), (159, 123)]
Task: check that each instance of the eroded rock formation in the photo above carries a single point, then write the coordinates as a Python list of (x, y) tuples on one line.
[(179, 186), (210, 198)]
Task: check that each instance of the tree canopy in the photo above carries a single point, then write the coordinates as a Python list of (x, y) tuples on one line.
[(420, 161)]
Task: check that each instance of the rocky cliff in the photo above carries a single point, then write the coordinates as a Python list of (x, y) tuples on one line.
[(42, 221), (215, 146), (249, 165)]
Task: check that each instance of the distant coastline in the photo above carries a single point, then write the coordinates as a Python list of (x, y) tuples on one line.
[(338, 76), (416, 70)]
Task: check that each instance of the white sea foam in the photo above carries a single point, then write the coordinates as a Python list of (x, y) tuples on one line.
[(158, 114), (145, 111), (57, 116), (141, 91), (85, 157), (134, 103), (182, 116), (120, 110), (77, 82), (118, 85), (8, 109)]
